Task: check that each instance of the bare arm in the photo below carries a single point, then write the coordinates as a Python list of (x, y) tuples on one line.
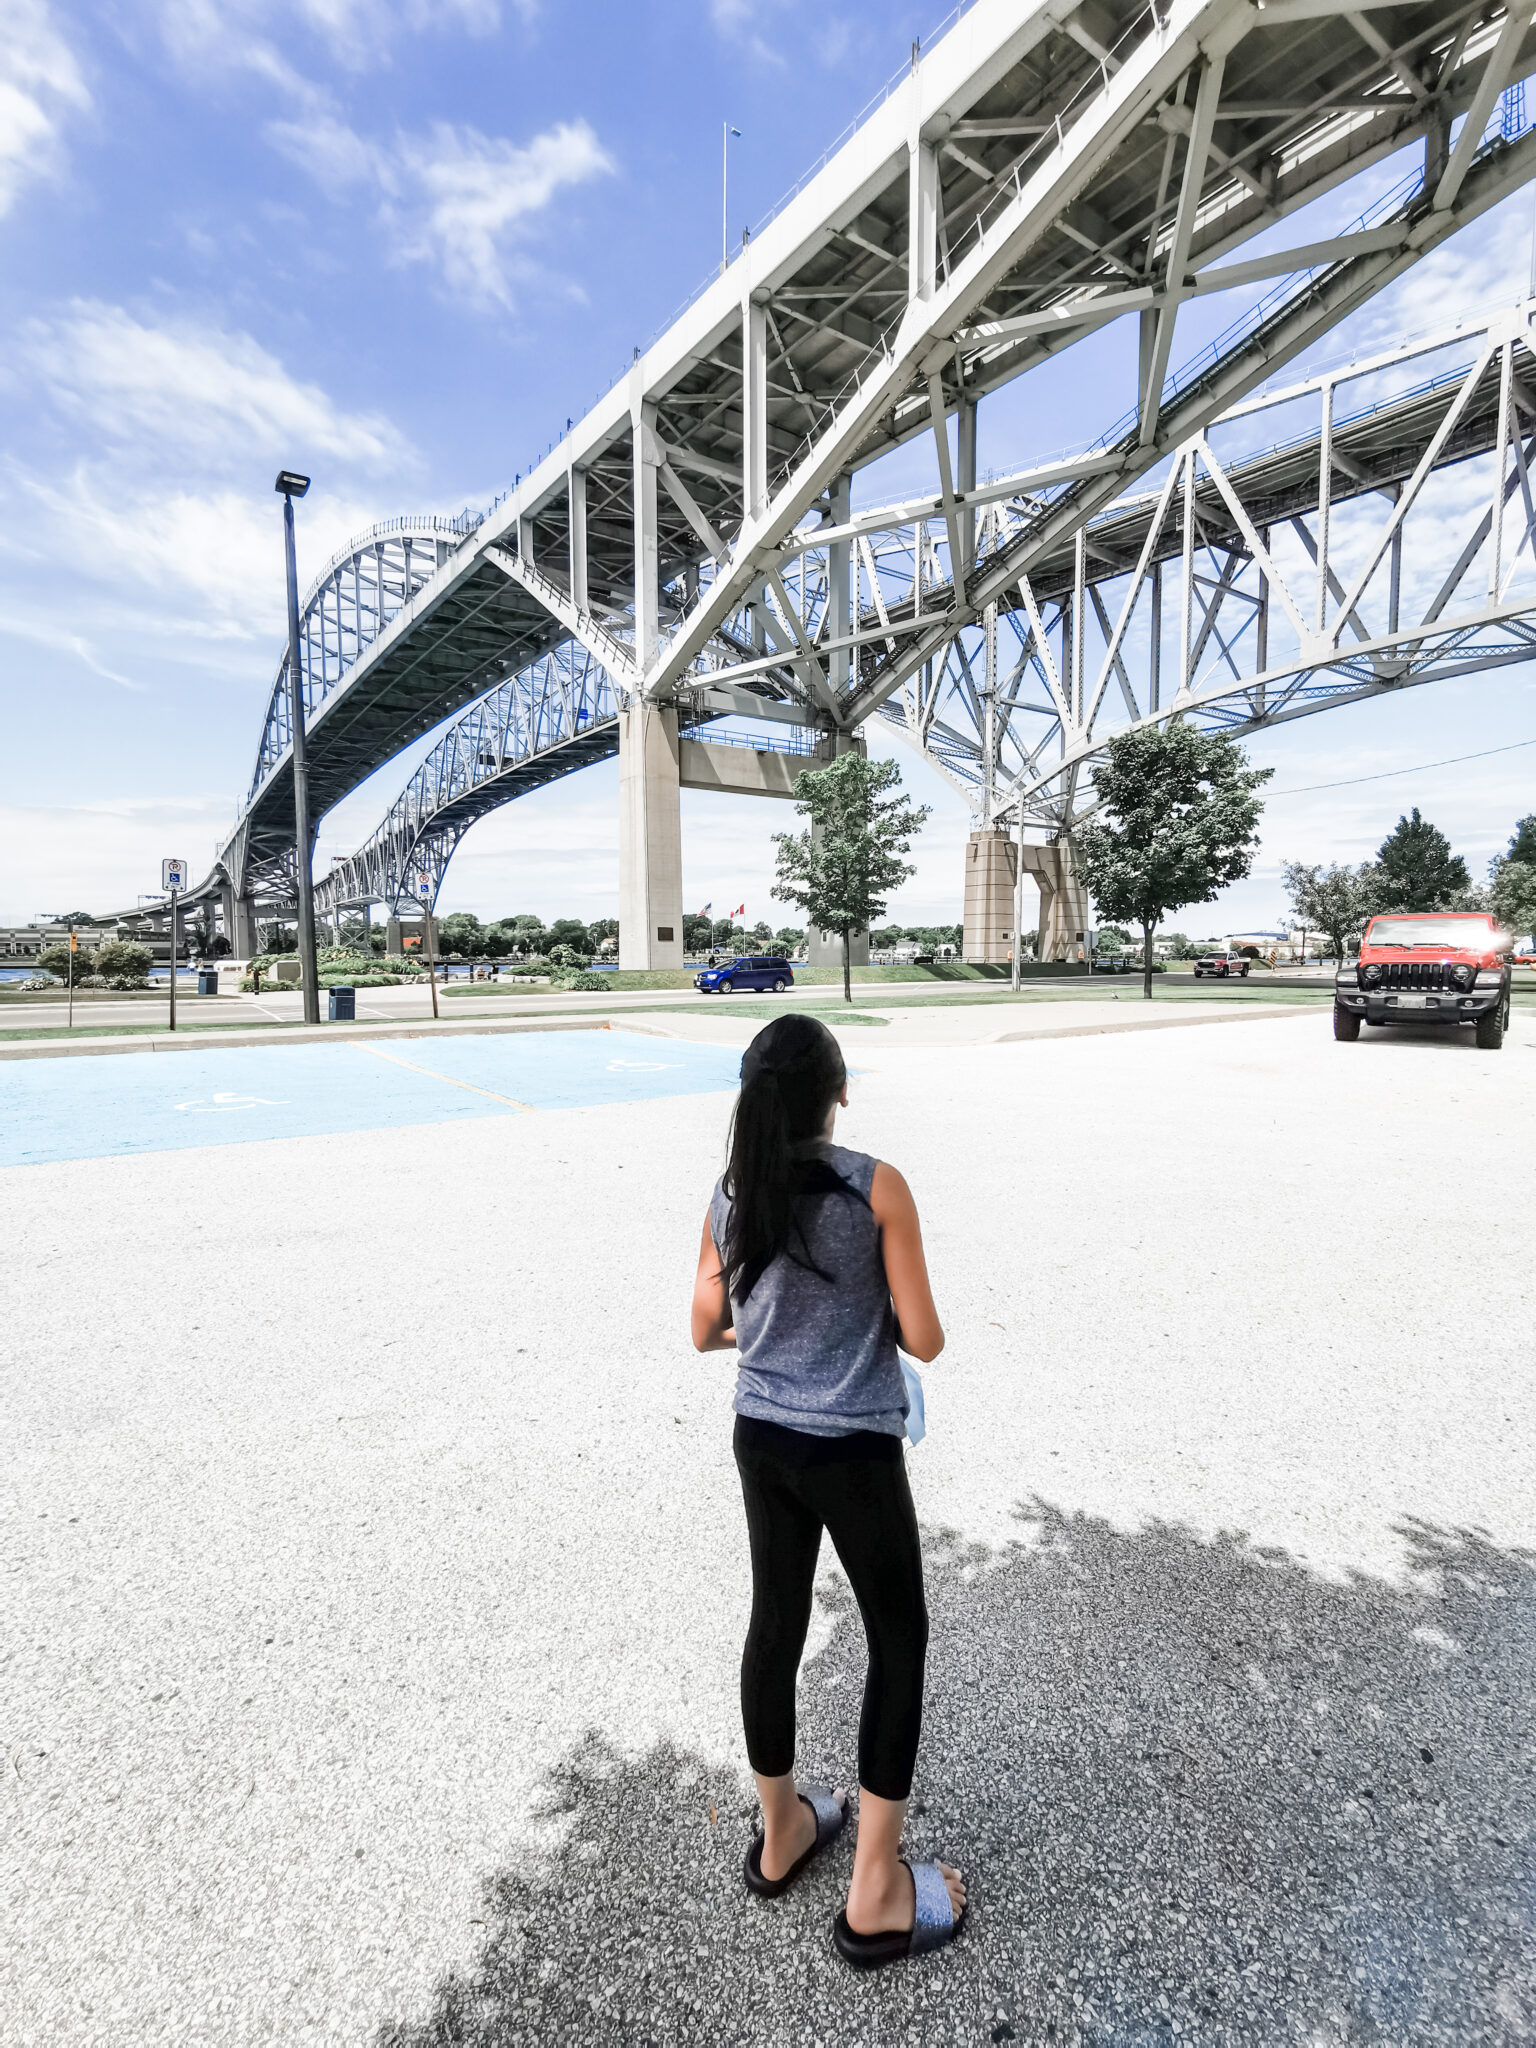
[(711, 1311), (906, 1270)]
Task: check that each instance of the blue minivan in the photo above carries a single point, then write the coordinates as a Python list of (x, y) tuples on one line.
[(756, 970)]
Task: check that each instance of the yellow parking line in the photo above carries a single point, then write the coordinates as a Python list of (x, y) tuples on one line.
[(396, 1061)]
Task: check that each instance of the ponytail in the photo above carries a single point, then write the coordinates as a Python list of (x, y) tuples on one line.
[(791, 1074)]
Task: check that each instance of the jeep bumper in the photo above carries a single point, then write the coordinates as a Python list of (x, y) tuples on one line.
[(1405, 1006)]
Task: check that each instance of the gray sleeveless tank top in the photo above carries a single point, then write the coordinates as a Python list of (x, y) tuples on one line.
[(820, 1355)]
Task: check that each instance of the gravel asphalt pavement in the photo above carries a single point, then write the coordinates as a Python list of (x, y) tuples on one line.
[(375, 1574)]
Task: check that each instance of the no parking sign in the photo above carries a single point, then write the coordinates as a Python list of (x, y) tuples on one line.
[(173, 874)]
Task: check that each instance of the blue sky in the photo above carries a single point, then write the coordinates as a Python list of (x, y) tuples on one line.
[(396, 245)]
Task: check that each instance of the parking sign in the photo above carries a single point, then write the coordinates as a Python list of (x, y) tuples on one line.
[(173, 874)]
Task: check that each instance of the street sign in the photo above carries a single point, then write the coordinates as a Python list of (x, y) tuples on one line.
[(173, 874), (74, 942), (424, 887)]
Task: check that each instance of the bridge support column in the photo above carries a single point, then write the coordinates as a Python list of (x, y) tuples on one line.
[(991, 871), (239, 916), (1063, 902), (650, 839), (825, 949)]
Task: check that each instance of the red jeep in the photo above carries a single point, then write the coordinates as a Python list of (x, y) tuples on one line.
[(1428, 967)]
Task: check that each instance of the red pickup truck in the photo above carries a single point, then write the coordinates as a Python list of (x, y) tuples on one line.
[(1428, 967), (1222, 965)]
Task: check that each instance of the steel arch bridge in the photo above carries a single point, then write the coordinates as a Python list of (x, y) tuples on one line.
[(1418, 466), (1044, 170)]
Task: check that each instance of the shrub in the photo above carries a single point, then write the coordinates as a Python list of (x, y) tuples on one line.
[(581, 981), (37, 981), (91, 981), (123, 959), (124, 982), (55, 960), (568, 958)]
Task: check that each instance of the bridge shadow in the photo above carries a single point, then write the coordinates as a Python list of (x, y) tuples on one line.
[(1201, 1795)]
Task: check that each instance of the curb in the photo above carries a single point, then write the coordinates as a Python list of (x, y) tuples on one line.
[(297, 1034), (1250, 1013)]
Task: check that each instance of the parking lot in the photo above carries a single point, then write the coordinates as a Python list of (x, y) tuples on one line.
[(376, 1575)]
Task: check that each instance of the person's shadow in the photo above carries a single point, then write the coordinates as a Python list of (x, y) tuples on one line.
[(1199, 1793)]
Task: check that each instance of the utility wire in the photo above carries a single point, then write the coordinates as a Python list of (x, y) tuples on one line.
[(1354, 780)]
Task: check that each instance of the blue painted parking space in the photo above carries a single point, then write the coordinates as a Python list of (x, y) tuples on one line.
[(98, 1108)]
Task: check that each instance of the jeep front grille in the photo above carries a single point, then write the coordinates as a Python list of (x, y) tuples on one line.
[(1425, 974)]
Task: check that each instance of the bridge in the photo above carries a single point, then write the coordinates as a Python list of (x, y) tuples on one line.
[(688, 558)]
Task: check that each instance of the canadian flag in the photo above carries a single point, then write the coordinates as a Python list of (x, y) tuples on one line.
[(740, 910)]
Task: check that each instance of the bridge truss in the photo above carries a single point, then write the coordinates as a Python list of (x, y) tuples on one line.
[(1219, 596), (1046, 169)]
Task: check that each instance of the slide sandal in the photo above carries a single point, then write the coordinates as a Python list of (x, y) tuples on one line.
[(831, 1819), (933, 1924)]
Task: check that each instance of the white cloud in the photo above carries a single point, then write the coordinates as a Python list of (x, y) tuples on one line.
[(453, 197), (216, 553), (157, 446), (183, 390), (209, 36), (57, 857), (478, 192), (39, 82)]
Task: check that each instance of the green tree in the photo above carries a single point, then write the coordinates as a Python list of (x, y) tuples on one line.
[(55, 960), (841, 871), (1180, 820), (1513, 895), (122, 960), (1112, 939), (569, 931), (789, 938), (1523, 845), (1339, 901), (461, 932), (1416, 869), (605, 928)]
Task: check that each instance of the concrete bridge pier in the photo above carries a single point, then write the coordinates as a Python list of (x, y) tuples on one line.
[(238, 917), (991, 872), (650, 838), (825, 949), (1063, 902)]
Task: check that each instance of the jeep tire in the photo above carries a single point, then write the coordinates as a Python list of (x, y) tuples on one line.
[(1346, 1024), (1490, 1029)]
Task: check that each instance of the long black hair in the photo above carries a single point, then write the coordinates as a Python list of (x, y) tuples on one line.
[(791, 1074)]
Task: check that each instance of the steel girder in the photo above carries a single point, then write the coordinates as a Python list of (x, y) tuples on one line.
[(1046, 168), (361, 590), (554, 717), (1266, 579), (1198, 599)]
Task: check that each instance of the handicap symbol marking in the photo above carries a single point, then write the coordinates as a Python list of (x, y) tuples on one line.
[(643, 1066), (224, 1100)]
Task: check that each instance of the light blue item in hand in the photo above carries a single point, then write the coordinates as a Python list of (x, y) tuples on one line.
[(917, 1427)]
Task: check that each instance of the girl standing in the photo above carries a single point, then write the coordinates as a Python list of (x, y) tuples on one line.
[(811, 1266)]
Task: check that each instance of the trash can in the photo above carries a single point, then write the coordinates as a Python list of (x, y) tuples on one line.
[(207, 981), (343, 1005)]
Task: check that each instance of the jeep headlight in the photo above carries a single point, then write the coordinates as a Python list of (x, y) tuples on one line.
[(1345, 978), (1490, 977), (1461, 975), (1370, 975)]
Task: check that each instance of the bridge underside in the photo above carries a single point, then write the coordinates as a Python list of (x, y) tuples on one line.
[(1045, 170)]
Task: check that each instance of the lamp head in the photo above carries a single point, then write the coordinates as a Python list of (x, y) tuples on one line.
[(291, 484)]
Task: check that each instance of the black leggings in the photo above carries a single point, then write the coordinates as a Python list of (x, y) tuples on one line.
[(856, 1489)]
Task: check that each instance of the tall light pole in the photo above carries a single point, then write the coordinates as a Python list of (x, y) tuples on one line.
[(292, 486), (726, 132)]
